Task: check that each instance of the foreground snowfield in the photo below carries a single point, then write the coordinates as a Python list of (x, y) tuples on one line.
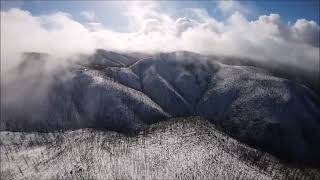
[(181, 148)]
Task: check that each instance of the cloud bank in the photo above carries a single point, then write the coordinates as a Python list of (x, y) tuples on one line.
[(154, 30)]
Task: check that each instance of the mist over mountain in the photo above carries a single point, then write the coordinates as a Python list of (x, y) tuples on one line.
[(160, 90), (128, 91), (267, 39)]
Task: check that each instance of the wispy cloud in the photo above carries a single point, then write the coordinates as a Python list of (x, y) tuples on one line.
[(88, 15), (228, 7)]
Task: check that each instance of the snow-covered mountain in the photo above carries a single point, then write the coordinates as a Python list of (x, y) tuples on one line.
[(127, 91)]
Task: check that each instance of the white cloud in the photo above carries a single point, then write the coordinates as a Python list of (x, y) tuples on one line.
[(307, 31), (55, 34), (152, 30), (228, 7), (88, 15)]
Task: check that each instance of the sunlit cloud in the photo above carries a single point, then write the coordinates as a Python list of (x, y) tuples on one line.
[(151, 29)]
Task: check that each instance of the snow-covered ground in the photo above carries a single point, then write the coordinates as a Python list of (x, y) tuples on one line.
[(181, 148)]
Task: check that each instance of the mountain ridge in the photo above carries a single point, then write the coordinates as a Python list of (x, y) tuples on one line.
[(250, 104)]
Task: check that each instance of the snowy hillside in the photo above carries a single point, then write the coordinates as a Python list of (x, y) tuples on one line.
[(126, 92), (185, 148)]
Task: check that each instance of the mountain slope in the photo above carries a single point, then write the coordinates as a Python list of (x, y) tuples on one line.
[(185, 148), (275, 114)]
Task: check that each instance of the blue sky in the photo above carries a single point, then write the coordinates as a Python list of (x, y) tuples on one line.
[(110, 13)]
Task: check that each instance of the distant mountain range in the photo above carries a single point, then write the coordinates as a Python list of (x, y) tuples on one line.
[(264, 106)]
